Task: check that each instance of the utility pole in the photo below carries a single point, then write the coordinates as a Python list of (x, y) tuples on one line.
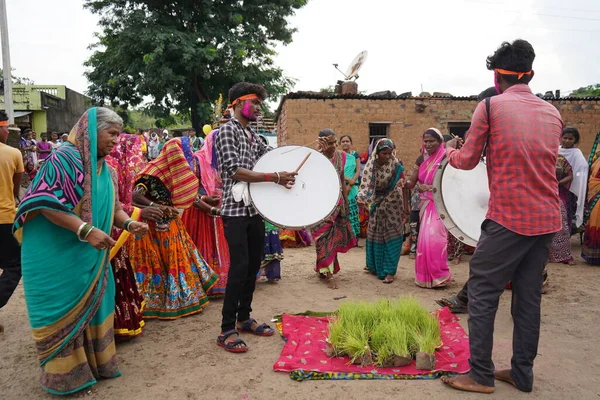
[(8, 94)]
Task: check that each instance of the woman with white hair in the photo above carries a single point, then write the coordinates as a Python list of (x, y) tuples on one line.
[(69, 286)]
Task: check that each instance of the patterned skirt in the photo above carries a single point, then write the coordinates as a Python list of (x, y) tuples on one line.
[(294, 239), (208, 235), (354, 216), (170, 272), (560, 249), (128, 301), (271, 264)]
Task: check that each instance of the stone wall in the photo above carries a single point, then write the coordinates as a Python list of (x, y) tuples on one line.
[(301, 119)]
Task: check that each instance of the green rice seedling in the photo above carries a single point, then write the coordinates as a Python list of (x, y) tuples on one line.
[(380, 343), (356, 345), (430, 334), (399, 339)]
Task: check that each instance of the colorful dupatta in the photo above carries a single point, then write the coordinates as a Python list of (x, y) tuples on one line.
[(334, 234), (431, 264), (70, 301), (379, 188), (127, 160), (173, 167), (209, 167)]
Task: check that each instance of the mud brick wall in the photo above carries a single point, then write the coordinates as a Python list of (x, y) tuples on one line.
[(301, 119)]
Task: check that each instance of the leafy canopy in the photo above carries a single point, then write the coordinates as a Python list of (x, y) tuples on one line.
[(588, 91), (181, 54)]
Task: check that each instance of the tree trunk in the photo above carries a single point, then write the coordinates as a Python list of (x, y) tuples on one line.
[(197, 97)]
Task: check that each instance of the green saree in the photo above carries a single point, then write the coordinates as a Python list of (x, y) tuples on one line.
[(69, 286)]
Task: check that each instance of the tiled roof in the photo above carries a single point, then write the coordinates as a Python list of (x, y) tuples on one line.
[(387, 96)]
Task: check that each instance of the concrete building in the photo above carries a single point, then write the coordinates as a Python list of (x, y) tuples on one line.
[(47, 107), (403, 119)]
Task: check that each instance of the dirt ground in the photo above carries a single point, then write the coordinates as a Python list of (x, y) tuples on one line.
[(180, 360)]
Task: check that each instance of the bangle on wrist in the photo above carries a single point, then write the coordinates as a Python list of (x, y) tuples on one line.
[(80, 228), (127, 223), (151, 203), (84, 232), (278, 178)]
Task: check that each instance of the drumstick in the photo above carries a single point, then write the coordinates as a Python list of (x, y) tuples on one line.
[(299, 147), (302, 163)]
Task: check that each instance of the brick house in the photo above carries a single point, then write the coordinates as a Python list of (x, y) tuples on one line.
[(301, 115)]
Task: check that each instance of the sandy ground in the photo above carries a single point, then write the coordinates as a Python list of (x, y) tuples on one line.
[(180, 360)]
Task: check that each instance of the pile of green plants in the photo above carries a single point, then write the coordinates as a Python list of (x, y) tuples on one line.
[(385, 333)]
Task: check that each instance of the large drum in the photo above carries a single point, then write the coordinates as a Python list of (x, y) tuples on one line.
[(312, 198), (461, 199)]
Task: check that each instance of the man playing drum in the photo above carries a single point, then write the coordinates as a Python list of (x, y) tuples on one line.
[(238, 149), (523, 134)]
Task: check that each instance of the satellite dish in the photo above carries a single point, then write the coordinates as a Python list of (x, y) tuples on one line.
[(356, 65)]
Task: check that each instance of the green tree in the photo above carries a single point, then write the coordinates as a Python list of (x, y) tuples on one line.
[(16, 80), (181, 54), (588, 91)]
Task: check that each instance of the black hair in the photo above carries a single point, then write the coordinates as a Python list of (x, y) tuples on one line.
[(517, 56), (327, 132), (44, 135), (489, 92), (573, 131), (346, 136), (3, 116), (433, 134), (243, 88)]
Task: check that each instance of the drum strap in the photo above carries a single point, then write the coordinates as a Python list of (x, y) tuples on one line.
[(487, 109)]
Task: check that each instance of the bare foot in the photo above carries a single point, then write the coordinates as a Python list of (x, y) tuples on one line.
[(504, 376), (389, 279), (411, 257), (572, 262), (464, 382), (456, 261), (331, 283)]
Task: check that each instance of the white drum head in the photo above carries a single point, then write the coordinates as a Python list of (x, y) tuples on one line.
[(461, 198), (311, 199)]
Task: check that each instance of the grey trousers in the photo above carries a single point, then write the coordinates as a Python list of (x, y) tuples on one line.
[(502, 256)]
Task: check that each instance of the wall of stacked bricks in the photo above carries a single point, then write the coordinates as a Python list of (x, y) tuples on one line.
[(300, 120)]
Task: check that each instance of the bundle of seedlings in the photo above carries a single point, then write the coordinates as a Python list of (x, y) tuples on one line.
[(385, 333)]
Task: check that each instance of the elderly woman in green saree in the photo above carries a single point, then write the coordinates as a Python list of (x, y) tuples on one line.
[(381, 190), (69, 285)]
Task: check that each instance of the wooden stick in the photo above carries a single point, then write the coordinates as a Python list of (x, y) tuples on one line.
[(299, 147), (302, 163)]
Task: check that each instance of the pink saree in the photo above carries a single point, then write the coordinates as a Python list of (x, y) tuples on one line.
[(431, 264)]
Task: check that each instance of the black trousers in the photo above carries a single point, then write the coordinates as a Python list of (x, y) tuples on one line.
[(246, 239), (10, 263), (502, 256)]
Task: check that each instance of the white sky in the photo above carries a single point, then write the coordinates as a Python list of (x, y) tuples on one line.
[(441, 44)]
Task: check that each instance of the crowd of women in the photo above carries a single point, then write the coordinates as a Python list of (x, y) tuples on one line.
[(154, 246)]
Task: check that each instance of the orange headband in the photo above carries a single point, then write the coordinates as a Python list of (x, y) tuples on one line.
[(505, 72), (246, 97), (3, 123)]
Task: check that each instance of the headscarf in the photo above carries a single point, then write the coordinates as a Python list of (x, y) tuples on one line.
[(368, 185), (579, 185), (209, 167), (431, 131), (127, 160), (175, 172), (428, 167), (69, 178), (153, 149)]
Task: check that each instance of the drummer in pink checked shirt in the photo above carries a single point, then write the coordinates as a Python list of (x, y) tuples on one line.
[(522, 133)]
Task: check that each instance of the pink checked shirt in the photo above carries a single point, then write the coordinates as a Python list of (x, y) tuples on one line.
[(521, 160)]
